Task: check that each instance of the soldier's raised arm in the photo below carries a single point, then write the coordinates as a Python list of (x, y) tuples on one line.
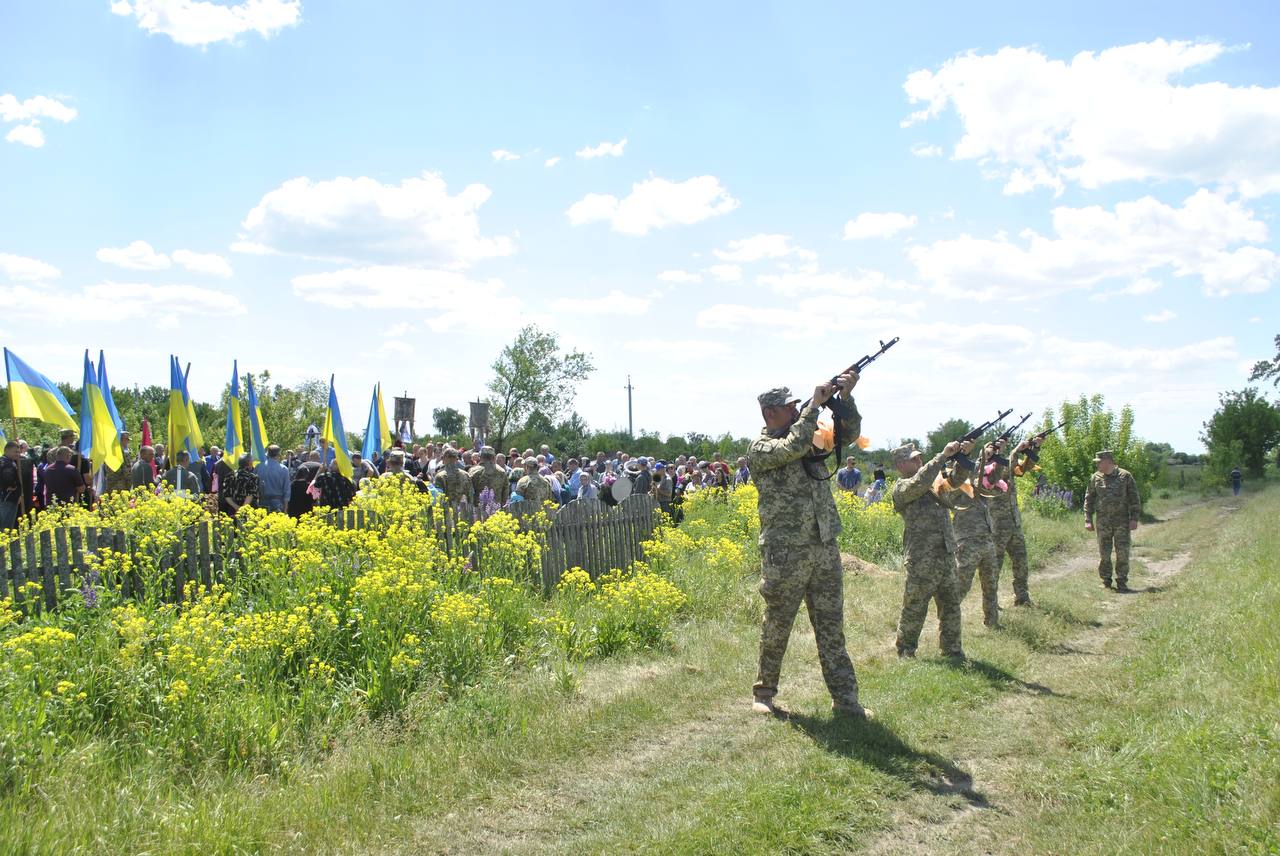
[(911, 488)]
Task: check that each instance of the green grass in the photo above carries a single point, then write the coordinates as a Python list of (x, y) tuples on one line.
[(1092, 723)]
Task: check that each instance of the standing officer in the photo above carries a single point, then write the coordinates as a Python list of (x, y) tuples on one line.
[(928, 547), (975, 545), (532, 487), (452, 480), (1008, 521), (798, 529), (1112, 498), (487, 474)]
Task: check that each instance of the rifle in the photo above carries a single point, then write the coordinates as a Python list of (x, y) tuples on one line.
[(1009, 431), (866, 360), (837, 408), (1033, 453), (960, 458)]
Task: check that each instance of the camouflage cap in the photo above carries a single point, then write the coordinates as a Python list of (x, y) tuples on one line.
[(451, 453), (905, 453), (1104, 455), (779, 396), (487, 450)]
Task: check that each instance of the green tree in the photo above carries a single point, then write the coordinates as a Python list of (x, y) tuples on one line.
[(1067, 456), (1268, 369), (448, 421), (533, 374), (1245, 427), (944, 434)]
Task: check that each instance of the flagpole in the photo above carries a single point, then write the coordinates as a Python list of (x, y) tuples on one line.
[(22, 502)]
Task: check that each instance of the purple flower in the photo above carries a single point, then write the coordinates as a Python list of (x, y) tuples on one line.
[(488, 503), (88, 588)]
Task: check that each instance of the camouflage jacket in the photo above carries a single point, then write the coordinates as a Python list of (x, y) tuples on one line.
[(489, 476), (926, 522), (453, 481), (1113, 499), (535, 489), (971, 519), (794, 507), (121, 479), (1004, 504)]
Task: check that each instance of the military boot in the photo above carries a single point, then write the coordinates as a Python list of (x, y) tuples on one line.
[(764, 705), (851, 711), (1123, 587)]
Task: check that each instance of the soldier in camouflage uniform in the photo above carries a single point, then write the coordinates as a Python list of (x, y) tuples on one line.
[(798, 528), (487, 474), (533, 487), (452, 480), (1008, 522), (929, 547), (976, 548), (1111, 509)]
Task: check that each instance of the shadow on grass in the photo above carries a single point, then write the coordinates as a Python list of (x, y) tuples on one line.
[(1002, 679), (874, 744)]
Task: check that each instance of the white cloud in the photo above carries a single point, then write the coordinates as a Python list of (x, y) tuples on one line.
[(396, 331), (655, 203), (613, 303), (28, 135), (1160, 317), (30, 112), (364, 220), (39, 107), (504, 155), (606, 148), (393, 348), (392, 287), (22, 269), (762, 246), (868, 282), (1094, 355), (550, 162), (206, 263), (923, 150), (1256, 319), (198, 22), (1105, 117), (725, 273), (809, 317), (678, 349), (1093, 245), (869, 224), (137, 256), (679, 276), (122, 301)]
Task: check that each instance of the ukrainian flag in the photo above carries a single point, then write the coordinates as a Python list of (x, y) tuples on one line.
[(257, 428), (334, 435), (233, 445), (105, 386), (33, 396), (377, 434), (99, 439), (195, 439), (179, 429)]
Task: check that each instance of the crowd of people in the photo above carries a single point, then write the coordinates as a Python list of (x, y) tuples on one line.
[(295, 481)]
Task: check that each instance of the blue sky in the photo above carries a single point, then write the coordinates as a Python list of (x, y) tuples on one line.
[(1085, 201)]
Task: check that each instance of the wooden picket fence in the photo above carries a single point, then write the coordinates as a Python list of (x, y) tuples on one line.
[(584, 534)]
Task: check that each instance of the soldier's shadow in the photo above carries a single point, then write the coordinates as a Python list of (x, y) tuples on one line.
[(1002, 679), (874, 744)]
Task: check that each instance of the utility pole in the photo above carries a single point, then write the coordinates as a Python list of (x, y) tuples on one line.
[(630, 425)]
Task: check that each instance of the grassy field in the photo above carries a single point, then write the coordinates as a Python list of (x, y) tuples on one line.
[(1093, 722)]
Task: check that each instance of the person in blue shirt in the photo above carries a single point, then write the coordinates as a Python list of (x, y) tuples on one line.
[(274, 480), (1236, 478), (849, 477)]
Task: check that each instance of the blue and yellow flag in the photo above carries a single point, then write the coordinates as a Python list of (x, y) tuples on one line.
[(257, 428), (105, 386), (33, 396), (99, 439), (195, 439), (377, 434), (334, 435), (179, 430), (233, 445)]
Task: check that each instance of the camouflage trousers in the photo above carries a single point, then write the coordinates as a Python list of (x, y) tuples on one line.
[(1113, 535), (978, 554), (933, 578), (810, 573), (1008, 539)]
